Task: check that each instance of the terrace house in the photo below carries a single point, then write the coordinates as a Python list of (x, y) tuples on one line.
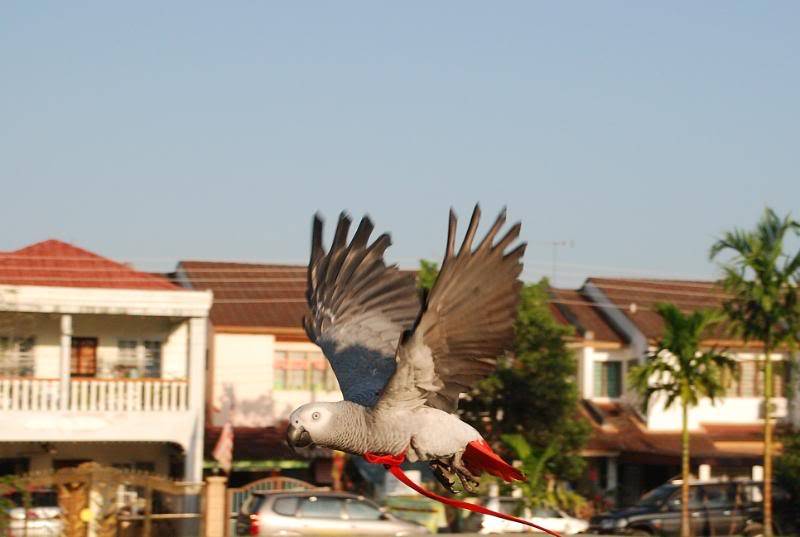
[(631, 451), (98, 361)]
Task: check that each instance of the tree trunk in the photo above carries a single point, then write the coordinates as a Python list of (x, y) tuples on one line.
[(686, 529), (767, 441)]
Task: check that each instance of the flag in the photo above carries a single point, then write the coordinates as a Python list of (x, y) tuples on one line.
[(223, 451)]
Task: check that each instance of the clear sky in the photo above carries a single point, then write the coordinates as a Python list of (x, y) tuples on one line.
[(156, 131)]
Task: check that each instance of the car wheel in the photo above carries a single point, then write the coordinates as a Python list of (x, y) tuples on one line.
[(640, 532)]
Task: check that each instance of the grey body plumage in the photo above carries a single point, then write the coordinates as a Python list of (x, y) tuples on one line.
[(401, 363)]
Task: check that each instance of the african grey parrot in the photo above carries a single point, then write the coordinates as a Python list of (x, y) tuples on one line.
[(402, 365)]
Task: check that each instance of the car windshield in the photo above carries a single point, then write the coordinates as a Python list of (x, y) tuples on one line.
[(656, 497), (44, 498)]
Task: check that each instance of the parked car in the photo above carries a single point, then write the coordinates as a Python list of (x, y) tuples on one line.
[(318, 512), (41, 518), (547, 517), (715, 507)]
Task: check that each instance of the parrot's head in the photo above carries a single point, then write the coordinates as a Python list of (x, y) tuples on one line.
[(311, 424)]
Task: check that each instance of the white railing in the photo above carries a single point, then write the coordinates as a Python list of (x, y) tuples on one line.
[(94, 395)]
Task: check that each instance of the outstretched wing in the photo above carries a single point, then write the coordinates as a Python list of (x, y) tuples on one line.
[(467, 321), (359, 308)]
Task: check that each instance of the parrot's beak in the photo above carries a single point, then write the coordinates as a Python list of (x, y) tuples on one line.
[(298, 437)]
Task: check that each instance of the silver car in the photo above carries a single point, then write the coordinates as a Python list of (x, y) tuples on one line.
[(42, 518), (318, 513)]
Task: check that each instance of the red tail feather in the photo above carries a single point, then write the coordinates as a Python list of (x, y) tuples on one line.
[(479, 457)]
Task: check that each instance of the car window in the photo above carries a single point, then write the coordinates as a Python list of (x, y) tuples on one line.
[(657, 496), (695, 498), (286, 506), (361, 510), (321, 507), (39, 498), (752, 493), (719, 496)]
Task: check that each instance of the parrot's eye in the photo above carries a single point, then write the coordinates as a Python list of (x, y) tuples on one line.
[(315, 416)]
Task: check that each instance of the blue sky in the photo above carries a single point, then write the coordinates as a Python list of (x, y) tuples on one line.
[(156, 131)]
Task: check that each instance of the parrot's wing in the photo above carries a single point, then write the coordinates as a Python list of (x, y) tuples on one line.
[(359, 308), (467, 321)]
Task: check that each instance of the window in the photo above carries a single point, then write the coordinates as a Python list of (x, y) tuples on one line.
[(127, 364), (607, 379), (748, 380), (152, 359), (360, 510), (321, 507), (16, 356), (136, 359), (299, 370), (286, 506), (719, 496)]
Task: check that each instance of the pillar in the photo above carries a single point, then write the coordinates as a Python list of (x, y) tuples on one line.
[(216, 508), (65, 358), (612, 477), (587, 373), (196, 368)]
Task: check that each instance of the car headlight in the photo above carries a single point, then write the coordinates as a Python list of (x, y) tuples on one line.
[(620, 523)]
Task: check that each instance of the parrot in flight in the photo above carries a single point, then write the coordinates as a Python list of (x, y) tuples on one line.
[(402, 361)]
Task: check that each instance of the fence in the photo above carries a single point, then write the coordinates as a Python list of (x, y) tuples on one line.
[(100, 501), (94, 395)]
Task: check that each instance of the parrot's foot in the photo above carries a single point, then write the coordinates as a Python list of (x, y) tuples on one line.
[(444, 475), (468, 480)]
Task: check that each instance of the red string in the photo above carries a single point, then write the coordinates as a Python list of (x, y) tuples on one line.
[(392, 463)]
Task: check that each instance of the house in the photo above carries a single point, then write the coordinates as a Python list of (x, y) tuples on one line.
[(261, 364), (98, 361), (615, 325)]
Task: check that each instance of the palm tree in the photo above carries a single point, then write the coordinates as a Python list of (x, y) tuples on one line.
[(679, 371), (762, 281)]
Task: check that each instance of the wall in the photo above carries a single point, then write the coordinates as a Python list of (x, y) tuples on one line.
[(108, 329), (242, 388)]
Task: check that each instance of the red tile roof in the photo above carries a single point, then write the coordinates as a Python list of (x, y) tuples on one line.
[(637, 298), (59, 264), (573, 308), (617, 427), (250, 294)]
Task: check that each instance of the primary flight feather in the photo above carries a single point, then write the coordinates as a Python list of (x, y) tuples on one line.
[(402, 364)]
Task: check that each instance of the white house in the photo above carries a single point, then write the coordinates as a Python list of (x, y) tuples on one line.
[(98, 362), (615, 326), (261, 363)]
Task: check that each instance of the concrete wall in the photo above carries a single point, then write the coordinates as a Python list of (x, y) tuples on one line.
[(109, 329), (242, 385)]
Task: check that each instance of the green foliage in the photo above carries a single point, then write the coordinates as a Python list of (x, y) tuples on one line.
[(8, 485), (528, 407), (428, 270), (532, 397), (787, 466), (762, 280), (538, 489), (677, 369)]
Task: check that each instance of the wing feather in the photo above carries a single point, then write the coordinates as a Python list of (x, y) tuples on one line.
[(359, 307), (467, 321)]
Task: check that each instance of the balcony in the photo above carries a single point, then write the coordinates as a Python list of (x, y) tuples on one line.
[(93, 395)]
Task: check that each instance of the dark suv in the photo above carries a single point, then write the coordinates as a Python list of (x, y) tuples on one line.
[(715, 507)]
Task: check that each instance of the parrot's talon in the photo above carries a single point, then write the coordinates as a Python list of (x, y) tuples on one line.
[(443, 474)]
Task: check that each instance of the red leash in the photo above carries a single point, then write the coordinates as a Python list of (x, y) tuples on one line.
[(393, 462)]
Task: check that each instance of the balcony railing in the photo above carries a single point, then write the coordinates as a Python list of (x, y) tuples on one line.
[(93, 395)]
